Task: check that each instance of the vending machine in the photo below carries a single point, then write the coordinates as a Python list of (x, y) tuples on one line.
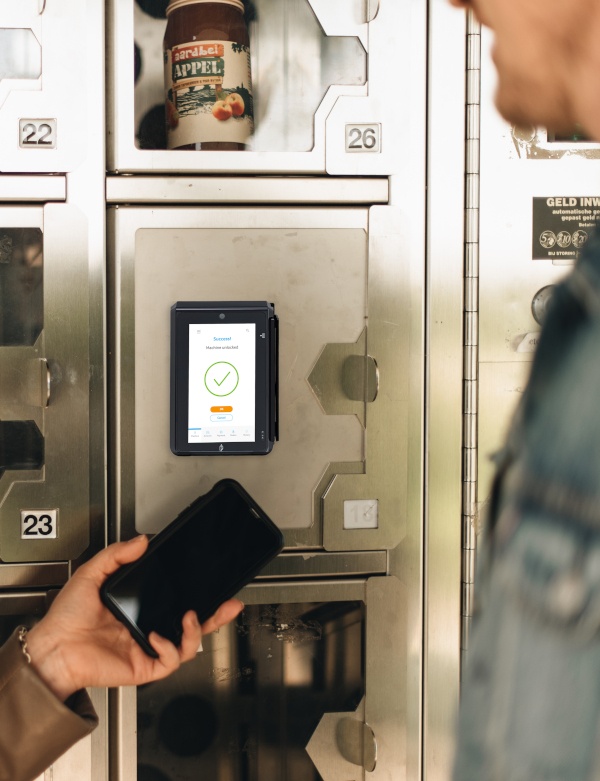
[(309, 158), (52, 379)]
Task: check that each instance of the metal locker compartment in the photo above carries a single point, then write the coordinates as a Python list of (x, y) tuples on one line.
[(51, 84), (333, 83), (340, 282), (309, 683), (52, 450)]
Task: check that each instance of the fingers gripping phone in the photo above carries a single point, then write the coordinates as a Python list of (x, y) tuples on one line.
[(205, 556)]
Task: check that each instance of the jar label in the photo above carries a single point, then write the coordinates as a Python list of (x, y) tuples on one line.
[(208, 93)]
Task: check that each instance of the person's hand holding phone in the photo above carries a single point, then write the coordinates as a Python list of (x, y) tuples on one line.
[(79, 643)]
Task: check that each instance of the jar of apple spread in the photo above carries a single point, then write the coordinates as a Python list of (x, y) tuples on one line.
[(208, 87)]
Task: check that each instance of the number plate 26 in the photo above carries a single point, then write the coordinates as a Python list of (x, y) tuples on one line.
[(363, 138), (39, 524)]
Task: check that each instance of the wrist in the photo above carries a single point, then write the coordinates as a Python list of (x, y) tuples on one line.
[(47, 658)]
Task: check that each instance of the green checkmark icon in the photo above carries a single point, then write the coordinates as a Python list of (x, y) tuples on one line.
[(223, 380)]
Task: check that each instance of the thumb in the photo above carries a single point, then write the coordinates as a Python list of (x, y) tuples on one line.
[(111, 558)]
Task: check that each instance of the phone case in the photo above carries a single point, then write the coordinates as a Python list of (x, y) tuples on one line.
[(271, 545)]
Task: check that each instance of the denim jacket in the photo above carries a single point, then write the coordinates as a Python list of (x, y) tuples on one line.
[(530, 706)]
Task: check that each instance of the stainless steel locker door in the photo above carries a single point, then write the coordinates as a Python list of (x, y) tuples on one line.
[(260, 684), (46, 384), (339, 279)]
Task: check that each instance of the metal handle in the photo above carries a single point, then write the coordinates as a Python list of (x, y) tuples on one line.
[(46, 382), (357, 744), (360, 378), (372, 9)]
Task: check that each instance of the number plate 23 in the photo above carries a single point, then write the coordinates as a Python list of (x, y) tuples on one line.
[(39, 524)]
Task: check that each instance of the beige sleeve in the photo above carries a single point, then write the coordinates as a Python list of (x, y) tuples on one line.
[(36, 728)]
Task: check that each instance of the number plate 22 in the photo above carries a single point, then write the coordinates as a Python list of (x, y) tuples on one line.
[(37, 133)]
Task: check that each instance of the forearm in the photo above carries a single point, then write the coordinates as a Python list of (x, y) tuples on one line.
[(47, 659), (36, 726)]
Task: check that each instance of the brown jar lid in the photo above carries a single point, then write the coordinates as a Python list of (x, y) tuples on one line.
[(173, 4)]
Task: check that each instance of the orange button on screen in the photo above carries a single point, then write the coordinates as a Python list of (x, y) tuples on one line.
[(221, 409)]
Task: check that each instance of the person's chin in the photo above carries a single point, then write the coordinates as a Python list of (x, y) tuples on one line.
[(515, 107), (521, 112)]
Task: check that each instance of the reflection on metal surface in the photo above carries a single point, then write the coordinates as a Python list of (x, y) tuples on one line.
[(21, 285), (21, 445), (247, 706), (20, 55), (287, 98), (301, 657)]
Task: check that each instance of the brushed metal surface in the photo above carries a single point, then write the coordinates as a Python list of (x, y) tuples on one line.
[(238, 189), (447, 162), (32, 189), (228, 254), (309, 564), (34, 575)]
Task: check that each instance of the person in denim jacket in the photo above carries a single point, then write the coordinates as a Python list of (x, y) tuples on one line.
[(530, 706)]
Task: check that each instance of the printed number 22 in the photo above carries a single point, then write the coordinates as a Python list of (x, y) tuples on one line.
[(38, 524), (37, 132)]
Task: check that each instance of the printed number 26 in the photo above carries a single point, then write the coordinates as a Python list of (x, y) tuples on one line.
[(362, 138)]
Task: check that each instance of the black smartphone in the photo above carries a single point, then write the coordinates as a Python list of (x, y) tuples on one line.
[(205, 556)]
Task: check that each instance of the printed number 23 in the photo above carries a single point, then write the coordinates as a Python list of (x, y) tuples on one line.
[(38, 524)]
